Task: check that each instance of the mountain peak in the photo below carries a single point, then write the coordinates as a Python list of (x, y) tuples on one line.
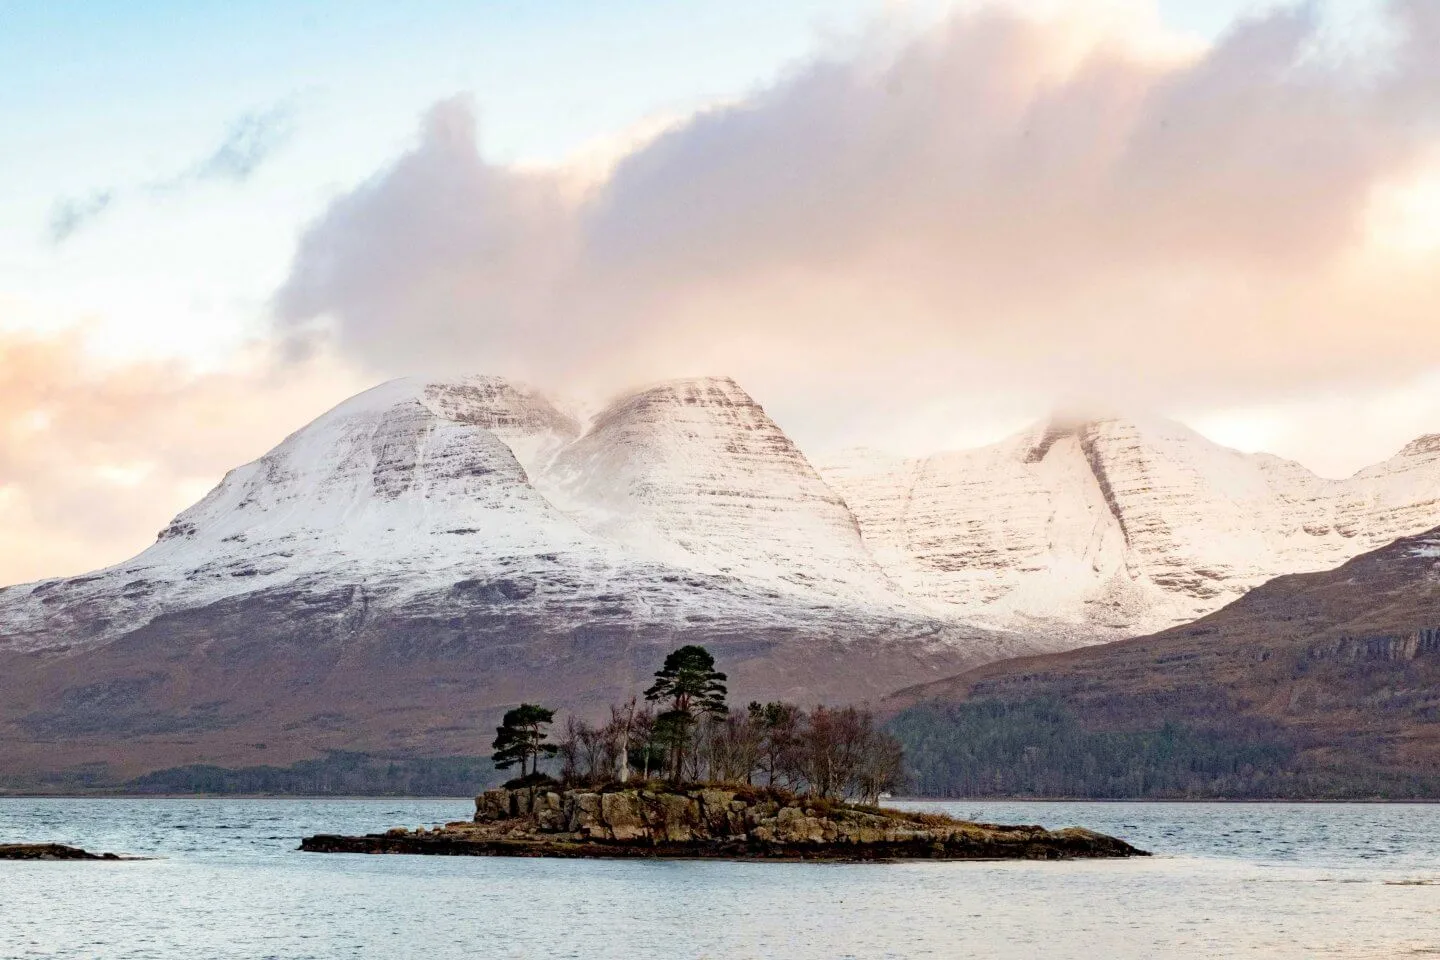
[(1424, 446), (694, 472), (506, 407), (1035, 442), (692, 390)]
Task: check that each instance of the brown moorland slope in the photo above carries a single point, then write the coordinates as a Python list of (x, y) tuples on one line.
[(250, 687), (1313, 685)]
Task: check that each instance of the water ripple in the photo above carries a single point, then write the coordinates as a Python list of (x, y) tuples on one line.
[(1231, 880)]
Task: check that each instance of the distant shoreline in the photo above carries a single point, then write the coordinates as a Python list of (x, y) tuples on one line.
[(101, 795)]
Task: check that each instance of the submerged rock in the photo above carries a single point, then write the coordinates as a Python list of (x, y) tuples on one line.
[(729, 822), (50, 851)]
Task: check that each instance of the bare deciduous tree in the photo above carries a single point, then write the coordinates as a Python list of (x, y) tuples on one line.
[(619, 733), (837, 753)]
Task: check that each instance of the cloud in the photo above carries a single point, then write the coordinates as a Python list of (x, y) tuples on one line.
[(444, 243), (95, 458), (69, 214), (251, 140), (1358, 428), (997, 214)]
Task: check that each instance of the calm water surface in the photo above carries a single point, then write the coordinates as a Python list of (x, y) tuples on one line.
[(1230, 880)]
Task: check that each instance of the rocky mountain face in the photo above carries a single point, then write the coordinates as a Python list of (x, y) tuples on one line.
[(1312, 685), (1114, 527), (428, 553), (695, 474)]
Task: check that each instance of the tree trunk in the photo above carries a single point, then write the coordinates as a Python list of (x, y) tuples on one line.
[(624, 751)]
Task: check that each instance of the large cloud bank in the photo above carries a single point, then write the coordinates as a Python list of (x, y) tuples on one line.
[(993, 210)]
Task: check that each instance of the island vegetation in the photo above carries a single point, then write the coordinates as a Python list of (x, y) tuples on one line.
[(682, 774), (684, 732)]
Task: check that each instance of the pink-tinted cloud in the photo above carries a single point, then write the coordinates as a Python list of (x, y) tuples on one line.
[(94, 459), (887, 246), (983, 212)]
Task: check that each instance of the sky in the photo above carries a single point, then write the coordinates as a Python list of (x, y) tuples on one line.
[(915, 225)]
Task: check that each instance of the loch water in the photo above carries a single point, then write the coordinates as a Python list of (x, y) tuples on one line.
[(1228, 880)]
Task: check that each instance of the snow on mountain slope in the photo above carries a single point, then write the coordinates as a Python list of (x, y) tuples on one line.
[(400, 487), (1391, 499), (694, 473), (1017, 528), (1120, 525), (530, 424), (681, 502), (685, 503)]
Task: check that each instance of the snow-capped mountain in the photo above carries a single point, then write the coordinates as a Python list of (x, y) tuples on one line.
[(415, 487), (686, 501), (426, 554), (399, 571), (695, 474), (1119, 525)]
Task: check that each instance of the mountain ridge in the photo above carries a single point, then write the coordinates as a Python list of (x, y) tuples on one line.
[(1096, 528), (1125, 526), (395, 574)]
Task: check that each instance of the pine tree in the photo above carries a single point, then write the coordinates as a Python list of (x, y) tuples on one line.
[(520, 738), (693, 687)]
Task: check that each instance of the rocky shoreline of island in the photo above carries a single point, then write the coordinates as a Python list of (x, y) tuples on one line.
[(659, 821)]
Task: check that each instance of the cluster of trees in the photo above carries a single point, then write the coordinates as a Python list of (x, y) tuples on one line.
[(686, 732)]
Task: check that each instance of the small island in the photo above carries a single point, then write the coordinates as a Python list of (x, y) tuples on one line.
[(679, 784), (658, 821), (51, 851)]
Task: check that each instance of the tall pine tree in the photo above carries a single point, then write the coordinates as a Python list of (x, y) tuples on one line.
[(521, 737), (692, 687)]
